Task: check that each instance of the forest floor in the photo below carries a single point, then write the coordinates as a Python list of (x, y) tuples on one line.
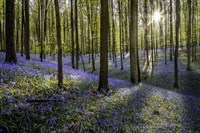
[(31, 102)]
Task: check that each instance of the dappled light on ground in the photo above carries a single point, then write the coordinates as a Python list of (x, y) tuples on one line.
[(30, 98)]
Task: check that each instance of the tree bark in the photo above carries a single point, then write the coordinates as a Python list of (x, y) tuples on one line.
[(176, 85), (103, 77), (72, 35), (27, 30), (113, 36), (77, 39), (189, 37), (134, 42), (58, 31), (146, 31), (120, 34), (10, 44), (22, 30), (171, 31), (1, 43)]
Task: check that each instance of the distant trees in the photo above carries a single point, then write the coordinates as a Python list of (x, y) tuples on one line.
[(58, 30), (81, 32), (10, 28), (103, 77)]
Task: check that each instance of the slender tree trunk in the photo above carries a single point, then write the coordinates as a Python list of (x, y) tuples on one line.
[(195, 45), (17, 29), (89, 22), (120, 34), (58, 29), (146, 31), (92, 33), (193, 30), (10, 29), (22, 30), (122, 31), (126, 27), (1, 43), (113, 36), (165, 12), (27, 30), (171, 31), (3, 27), (189, 37), (176, 85), (45, 28), (103, 77), (77, 39), (72, 34), (152, 42)]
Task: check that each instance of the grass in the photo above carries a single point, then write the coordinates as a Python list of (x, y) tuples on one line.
[(31, 102)]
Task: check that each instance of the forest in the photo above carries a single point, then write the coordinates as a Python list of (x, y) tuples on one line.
[(122, 66)]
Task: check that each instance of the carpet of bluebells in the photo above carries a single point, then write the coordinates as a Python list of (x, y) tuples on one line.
[(31, 102)]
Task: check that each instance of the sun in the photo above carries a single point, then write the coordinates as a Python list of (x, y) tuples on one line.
[(157, 16)]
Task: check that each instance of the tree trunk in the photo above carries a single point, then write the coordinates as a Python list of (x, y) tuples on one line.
[(72, 34), (3, 27), (10, 44), (89, 22), (92, 33), (176, 85), (113, 36), (134, 42), (22, 30), (27, 30), (17, 29), (1, 43), (171, 31), (120, 34), (103, 77), (165, 12), (189, 37), (60, 70), (146, 31), (77, 41)]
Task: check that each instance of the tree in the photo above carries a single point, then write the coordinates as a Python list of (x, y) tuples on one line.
[(177, 44), (60, 70), (165, 21), (92, 34), (17, 28), (76, 29), (104, 31), (72, 34), (120, 33), (89, 22), (27, 30), (1, 44), (146, 30), (22, 29), (189, 37), (10, 44), (171, 31), (113, 36), (134, 41)]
